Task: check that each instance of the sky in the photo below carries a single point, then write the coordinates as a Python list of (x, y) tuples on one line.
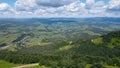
[(59, 8)]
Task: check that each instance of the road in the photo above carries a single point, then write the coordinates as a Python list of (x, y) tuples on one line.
[(27, 65)]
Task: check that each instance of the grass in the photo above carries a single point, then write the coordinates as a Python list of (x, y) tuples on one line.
[(66, 48), (112, 67), (5, 64), (40, 67), (97, 41), (91, 33)]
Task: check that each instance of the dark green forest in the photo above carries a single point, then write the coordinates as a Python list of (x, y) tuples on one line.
[(74, 53)]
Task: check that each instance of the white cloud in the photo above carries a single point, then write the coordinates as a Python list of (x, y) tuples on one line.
[(98, 7), (113, 8), (61, 8), (89, 3), (4, 6), (74, 9), (54, 3), (5, 9), (25, 5), (114, 5)]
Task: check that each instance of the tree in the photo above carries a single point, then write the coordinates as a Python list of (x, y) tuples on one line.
[(97, 65)]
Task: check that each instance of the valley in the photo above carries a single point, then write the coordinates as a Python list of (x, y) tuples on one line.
[(61, 42)]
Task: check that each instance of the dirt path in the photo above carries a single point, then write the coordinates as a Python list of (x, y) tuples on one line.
[(27, 65)]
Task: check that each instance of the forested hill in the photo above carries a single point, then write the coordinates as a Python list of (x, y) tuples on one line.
[(111, 39), (101, 51)]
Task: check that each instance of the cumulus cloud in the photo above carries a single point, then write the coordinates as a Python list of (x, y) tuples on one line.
[(25, 5), (89, 3), (61, 8), (54, 3), (65, 8), (114, 5), (3, 6), (98, 7), (5, 9), (73, 9), (113, 8)]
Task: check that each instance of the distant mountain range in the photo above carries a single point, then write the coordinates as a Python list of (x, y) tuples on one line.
[(53, 20)]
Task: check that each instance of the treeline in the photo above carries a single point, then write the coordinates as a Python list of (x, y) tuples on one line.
[(112, 39), (77, 57), (62, 61)]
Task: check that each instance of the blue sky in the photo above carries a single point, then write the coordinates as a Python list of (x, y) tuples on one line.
[(59, 8), (10, 2)]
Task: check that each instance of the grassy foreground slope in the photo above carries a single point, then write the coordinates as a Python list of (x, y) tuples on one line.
[(5, 64)]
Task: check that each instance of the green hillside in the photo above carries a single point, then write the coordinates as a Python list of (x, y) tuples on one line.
[(75, 53), (5, 64), (111, 39)]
